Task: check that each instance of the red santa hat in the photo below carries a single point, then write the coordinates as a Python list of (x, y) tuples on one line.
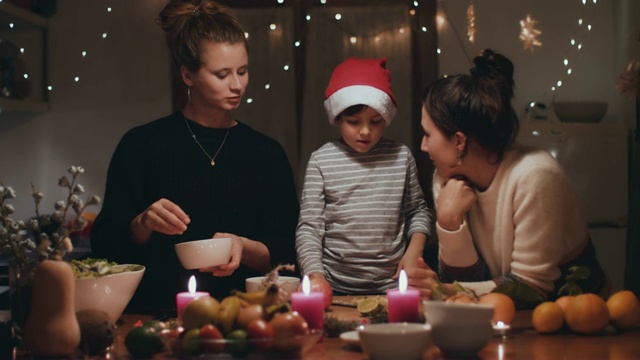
[(359, 81)]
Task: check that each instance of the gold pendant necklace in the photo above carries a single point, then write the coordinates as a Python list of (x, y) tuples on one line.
[(213, 159)]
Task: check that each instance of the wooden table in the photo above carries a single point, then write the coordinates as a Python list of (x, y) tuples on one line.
[(522, 343)]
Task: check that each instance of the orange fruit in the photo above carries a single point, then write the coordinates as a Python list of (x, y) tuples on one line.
[(564, 301), (624, 309), (587, 314), (547, 317), (460, 298), (504, 309)]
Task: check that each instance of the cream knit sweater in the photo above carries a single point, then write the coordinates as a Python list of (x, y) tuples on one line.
[(526, 223)]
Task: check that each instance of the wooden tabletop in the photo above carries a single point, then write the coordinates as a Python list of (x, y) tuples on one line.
[(522, 343)]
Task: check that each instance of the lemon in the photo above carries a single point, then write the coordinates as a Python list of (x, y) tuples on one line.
[(368, 306)]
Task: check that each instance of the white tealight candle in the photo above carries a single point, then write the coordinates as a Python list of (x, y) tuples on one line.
[(501, 329)]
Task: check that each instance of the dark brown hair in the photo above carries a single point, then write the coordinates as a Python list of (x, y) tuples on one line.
[(188, 23), (478, 104)]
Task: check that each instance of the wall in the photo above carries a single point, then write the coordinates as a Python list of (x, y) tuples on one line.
[(124, 81)]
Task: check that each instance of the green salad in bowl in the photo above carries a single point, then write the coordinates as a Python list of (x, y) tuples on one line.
[(105, 285)]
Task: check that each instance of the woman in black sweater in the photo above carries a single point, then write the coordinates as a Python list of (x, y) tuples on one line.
[(198, 173)]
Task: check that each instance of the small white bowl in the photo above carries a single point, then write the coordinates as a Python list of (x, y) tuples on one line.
[(200, 254), (394, 340), (459, 329), (110, 293), (287, 284)]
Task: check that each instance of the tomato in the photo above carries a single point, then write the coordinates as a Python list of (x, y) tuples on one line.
[(259, 329), (191, 342), (143, 342), (210, 332), (175, 343), (238, 345), (325, 288), (289, 324)]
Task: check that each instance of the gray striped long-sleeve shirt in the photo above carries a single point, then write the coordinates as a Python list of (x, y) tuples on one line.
[(357, 213)]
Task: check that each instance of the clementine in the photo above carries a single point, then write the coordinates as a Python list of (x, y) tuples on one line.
[(504, 307), (587, 314), (460, 298), (564, 301), (624, 309), (547, 317)]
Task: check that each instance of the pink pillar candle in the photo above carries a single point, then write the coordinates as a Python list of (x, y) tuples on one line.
[(310, 305), (184, 298), (403, 304)]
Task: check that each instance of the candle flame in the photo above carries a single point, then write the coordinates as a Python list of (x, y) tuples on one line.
[(500, 324), (306, 285), (403, 281), (192, 284)]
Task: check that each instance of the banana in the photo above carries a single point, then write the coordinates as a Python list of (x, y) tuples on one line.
[(272, 295), (273, 309), (226, 317), (254, 298)]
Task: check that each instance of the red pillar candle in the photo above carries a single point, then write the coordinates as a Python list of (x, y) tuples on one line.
[(184, 298), (403, 304), (310, 305)]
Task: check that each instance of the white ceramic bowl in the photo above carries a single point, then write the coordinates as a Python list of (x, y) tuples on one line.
[(200, 254), (459, 329), (110, 293), (394, 340), (287, 283), (580, 111)]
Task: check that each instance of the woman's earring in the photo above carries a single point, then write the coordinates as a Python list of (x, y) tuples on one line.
[(189, 94)]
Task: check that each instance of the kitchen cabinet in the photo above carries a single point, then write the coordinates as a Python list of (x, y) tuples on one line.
[(28, 31)]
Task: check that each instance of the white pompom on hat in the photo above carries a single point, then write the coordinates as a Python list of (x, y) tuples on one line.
[(358, 81)]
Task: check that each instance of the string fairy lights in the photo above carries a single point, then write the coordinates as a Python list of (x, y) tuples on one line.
[(530, 36), (353, 36)]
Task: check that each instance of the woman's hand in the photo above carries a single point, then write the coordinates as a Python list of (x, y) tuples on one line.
[(237, 246), (454, 201), (163, 216), (420, 278)]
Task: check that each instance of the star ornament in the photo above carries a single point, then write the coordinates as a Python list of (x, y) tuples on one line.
[(529, 33)]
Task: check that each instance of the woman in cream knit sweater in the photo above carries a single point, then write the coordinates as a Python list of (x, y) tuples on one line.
[(505, 212)]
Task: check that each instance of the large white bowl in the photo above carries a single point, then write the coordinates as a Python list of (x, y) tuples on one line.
[(459, 329), (395, 340), (200, 254), (110, 293)]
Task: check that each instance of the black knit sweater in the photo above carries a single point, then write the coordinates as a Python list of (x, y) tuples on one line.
[(250, 192)]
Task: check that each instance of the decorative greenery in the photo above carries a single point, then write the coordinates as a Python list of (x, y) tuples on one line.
[(45, 236), (571, 287), (523, 295)]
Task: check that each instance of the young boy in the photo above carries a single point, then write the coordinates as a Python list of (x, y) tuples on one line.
[(363, 216)]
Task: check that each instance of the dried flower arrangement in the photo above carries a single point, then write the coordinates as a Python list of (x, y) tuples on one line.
[(46, 236)]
